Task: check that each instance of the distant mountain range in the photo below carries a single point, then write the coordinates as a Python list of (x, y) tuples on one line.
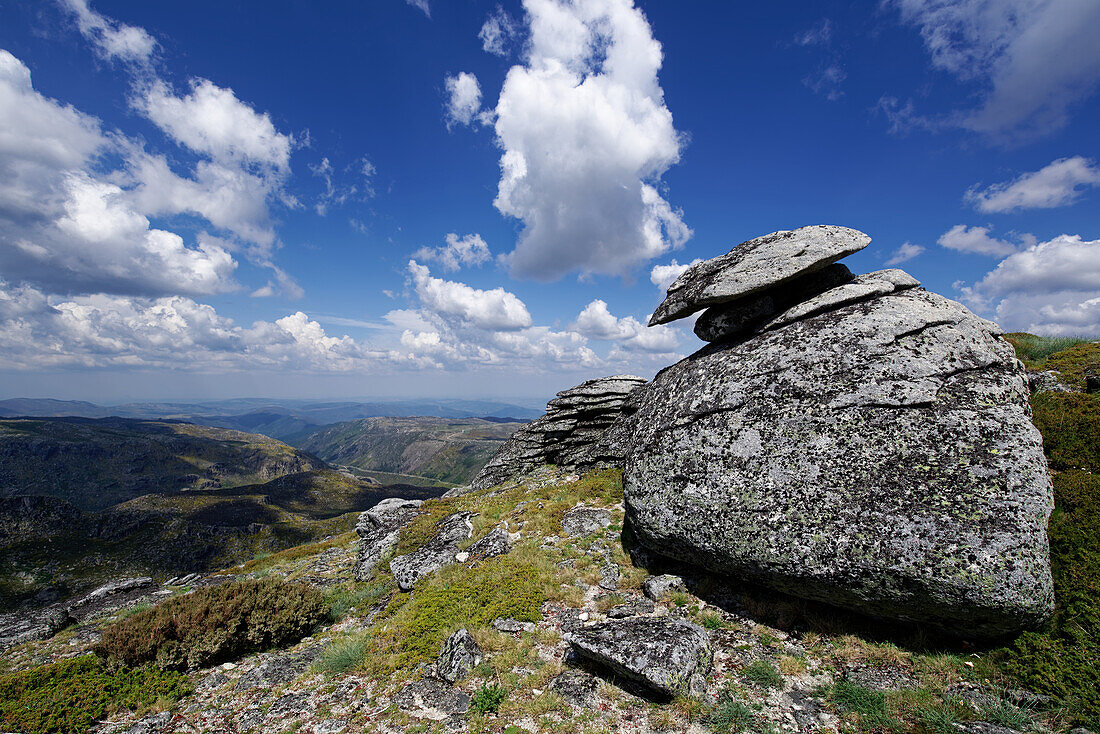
[(281, 419)]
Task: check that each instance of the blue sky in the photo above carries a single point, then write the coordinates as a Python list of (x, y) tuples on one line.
[(470, 198)]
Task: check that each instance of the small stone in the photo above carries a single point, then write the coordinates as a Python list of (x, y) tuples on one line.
[(512, 626), (634, 608), (462, 557), (581, 521), (584, 616), (496, 543), (460, 655), (576, 687), (659, 587), (228, 666)]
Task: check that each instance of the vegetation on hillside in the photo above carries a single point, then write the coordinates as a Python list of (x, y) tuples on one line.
[(446, 449), (215, 624)]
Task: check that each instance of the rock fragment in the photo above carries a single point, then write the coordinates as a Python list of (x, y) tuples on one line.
[(438, 552), (659, 587), (460, 655), (496, 543), (670, 656), (576, 687), (581, 521), (379, 530), (755, 266)]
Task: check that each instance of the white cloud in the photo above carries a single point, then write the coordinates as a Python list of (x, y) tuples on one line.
[(1057, 184), (905, 253), (1033, 59), (463, 98), (1049, 288), (976, 240), (498, 32), (111, 39), (663, 275), (494, 310), (421, 5), (213, 121), (819, 35), (597, 322), (827, 82), (586, 135), (458, 252), (67, 228)]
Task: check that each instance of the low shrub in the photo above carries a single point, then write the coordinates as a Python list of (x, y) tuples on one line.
[(71, 695), (487, 699), (1075, 362), (215, 624)]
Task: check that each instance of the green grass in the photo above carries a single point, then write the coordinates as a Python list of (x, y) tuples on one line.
[(763, 674), (359, 597), (998, 709), (215, 624), (1034, 351), (869, 705), (731, 716), (70, 696), (342, 654)]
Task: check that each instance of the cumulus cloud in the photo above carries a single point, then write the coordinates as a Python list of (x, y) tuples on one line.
[(586, 136), (458, 252), (463, 99), (211, 120), (1058, 184), (905, 253), (975, 240), (111, 39), (662, 276), (498, 32), (495, 309), (597, 322), (1032, 59), (1047, 288), (65, 227)]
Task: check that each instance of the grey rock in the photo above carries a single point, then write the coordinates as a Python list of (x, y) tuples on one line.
[(431, 698), (574, 433), (379, 530), (879, 456), (576, 687), (152, 724), (984, 727), (633, 608), (438, 552), (730, 320), (670, 656), (581, 521), (495, 543), (512, 626), (331, 726), (881, 677), (460, 654), (110, 589), (1047, 381), (289, 704), (755, 266), (1080, 730), (659, 587), (609, 576), (862, 288)]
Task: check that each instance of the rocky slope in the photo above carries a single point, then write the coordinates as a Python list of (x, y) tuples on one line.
[(448, 450)]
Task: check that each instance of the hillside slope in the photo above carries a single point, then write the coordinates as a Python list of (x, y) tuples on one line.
[(97, 463), (449, 450)]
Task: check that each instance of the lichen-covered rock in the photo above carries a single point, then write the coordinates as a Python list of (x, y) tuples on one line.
[(576, 687), (878, 456), (581, 521), (730, 320), (379, 529), (861, 288), (431, 698), (755, 266), (572, 434), (438, 552), (634, 608), (659, 587), (460, 655), (495, 543), (671, 656)]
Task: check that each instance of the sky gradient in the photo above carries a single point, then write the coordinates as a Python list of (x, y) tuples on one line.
[(427, 198)]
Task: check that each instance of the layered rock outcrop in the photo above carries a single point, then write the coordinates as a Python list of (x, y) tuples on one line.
[(866, 443), (572, 434)]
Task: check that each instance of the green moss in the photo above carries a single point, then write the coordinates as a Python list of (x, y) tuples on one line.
[(215, 624), (1064, 660), (70, 696), (1070, 424)]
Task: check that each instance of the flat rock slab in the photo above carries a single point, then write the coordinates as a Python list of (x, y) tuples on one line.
[(438, 552), (379, 530), (581, 521), (431, 698), (669, 656), (576, 687), (755, 266), (879, 457), (862, 288)]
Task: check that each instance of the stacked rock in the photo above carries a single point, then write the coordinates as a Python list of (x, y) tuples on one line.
[(854, 440), (573, 434)]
